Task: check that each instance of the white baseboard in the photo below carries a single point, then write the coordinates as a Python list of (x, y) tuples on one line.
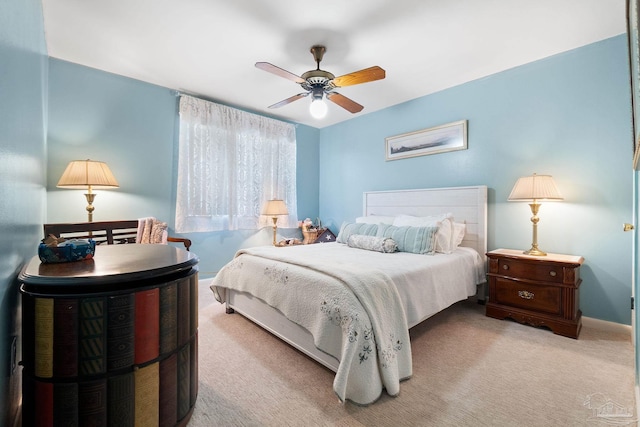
[(605, 325)]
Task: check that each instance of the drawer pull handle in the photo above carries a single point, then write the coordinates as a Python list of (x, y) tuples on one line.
[(525, 294), (505, 267), (552, 273)]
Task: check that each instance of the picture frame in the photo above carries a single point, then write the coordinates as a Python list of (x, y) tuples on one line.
[(634, 64), (434, 140)]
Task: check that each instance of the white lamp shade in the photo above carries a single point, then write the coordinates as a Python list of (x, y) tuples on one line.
[(535, 187), (275, 207), (84, 173)]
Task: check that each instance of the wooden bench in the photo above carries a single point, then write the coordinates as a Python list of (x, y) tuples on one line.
[(103, 232)]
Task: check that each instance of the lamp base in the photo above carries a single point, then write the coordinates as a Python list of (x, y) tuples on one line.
[(535, 252), (275, 229), (90, 208)]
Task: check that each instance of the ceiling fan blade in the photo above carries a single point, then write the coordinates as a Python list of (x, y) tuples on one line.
[(289, 100), (363, 76), (278, 71), (344, 102)]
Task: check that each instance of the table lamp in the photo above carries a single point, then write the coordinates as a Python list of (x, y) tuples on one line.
[(535, 188), (87, 174), (274, 208)]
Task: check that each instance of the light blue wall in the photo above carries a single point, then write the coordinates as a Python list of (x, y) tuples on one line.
[(23, 76), (126, 123), (567, 116), (132, 126)]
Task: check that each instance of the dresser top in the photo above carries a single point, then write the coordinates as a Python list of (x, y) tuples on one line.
[(517, 253), (111, 264)]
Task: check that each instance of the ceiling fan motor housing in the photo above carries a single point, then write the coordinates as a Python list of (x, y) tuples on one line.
[(317, 79)]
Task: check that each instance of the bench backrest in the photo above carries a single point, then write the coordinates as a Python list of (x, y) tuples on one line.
[(103, 232)]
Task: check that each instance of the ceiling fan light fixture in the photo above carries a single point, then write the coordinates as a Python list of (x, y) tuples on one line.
[(318, 108), (319, 83)]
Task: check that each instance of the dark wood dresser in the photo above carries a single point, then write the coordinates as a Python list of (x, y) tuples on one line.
[(536, 290), (111, 341)]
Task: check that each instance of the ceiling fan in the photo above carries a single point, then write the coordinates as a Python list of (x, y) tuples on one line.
[(318, 83)]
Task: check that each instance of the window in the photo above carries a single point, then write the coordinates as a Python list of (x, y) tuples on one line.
[(229, 163)]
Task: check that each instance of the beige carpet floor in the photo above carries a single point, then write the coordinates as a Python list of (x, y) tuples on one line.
[(468, 370)]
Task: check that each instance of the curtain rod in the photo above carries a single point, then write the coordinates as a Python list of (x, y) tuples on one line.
[(180, 92)]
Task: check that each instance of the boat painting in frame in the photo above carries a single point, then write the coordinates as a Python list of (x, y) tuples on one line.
[(438, 139)]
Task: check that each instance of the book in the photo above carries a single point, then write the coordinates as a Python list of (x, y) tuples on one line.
[(28, 396), (184, 381), (147, 325), (92, 399), (92, 337), (65, 404), (184, 309), (169, 391), (121, 405), (168, 318), (193, 370), (65, 337), (147, 400), (193, 300), (44, 337), (120, 331), (28, 334), (44, 403)]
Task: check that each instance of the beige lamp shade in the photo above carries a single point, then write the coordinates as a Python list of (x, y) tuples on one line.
[(535, 187), (84, 173), (88, 174), (275, 207)]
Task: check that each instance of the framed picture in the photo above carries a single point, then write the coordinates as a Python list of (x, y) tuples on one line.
[(439, 139), (634, 62)]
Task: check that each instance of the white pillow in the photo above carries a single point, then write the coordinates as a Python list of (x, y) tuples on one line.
[(372, 243), (459, 230), (444, 222), (376, 219)]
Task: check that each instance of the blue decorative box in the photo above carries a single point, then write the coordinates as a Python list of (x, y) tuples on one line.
[(70, 250)]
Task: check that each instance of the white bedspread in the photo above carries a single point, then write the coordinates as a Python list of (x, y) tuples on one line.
[(353, 313), (357, 304)]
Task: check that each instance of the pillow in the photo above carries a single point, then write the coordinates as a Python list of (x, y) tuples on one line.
[(157, 232), (372, 243), (417, 240), (349, 228), (459, 230), (376, 219), (444, 222)]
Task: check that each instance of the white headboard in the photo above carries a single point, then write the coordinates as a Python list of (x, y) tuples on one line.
[(467, 204)]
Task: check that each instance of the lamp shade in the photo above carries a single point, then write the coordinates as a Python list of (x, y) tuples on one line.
[(535, 187), (84, 173), (274, 207)]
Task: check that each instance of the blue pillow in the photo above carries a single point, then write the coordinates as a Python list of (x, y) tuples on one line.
[(417, 240), (349, 228)]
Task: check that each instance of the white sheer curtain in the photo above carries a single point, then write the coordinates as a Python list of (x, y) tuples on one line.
[(230, 162)]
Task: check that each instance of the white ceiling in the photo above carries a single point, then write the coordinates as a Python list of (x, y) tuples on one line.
[(208, 47)]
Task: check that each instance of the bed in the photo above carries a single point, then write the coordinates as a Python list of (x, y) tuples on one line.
[(349, 308)]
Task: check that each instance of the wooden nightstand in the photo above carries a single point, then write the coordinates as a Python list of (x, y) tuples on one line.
[(537, 290)]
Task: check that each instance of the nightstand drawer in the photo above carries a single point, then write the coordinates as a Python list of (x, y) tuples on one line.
[(546, 272), (545, 299)]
